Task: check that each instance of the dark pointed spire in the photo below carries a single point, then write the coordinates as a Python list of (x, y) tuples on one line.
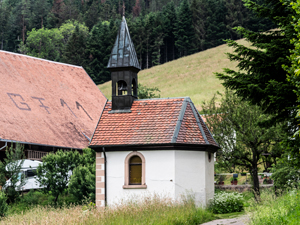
[(123, 53)]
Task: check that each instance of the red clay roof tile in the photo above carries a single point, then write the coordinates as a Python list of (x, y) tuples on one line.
[(47, 103), (152, 121)]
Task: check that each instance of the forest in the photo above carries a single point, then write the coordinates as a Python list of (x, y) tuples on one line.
[(82, 32)]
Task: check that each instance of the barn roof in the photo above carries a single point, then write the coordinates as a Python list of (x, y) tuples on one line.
[(123, 53), (47, 103), (153, 122)]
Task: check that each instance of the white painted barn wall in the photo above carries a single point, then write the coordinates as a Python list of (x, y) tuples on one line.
[(168, 172)]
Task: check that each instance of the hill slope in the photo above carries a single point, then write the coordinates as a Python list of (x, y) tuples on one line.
[(191, 76)]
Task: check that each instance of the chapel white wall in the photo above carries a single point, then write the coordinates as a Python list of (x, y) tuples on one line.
[(160, 175), (194, 176), (171, 173), (210, 177)]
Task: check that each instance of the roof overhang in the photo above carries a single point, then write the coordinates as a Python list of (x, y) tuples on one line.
[(146, 147)]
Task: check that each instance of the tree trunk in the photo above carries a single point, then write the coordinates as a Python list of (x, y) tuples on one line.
[(2, 42), (166, 52), (147, 59), (23, 30), (173, 50), (56, 198), (255, 184)]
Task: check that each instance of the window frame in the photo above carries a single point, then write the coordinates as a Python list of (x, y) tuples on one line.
[(126, 177)]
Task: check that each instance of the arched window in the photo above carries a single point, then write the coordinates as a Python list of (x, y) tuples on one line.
[(135, 171)]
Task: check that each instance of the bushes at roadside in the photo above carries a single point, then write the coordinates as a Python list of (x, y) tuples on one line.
[(227, 202), (40, 198), (276, 210), (82, 183), (3, 204), (285, 177)]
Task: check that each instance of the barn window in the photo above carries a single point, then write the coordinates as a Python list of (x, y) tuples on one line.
[(135, 171)]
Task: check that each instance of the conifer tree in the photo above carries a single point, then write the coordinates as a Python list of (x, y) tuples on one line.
[(137, 31), (92, 15), (40, 9), (199, 13), (75, 51), (4, 12), (234, 17), (99, 47), (184, 33), (260, 77), (170, 23), (216, 30), (157, 36)]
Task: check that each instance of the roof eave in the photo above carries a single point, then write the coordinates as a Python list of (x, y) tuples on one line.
[(30, 143), (161, 146)]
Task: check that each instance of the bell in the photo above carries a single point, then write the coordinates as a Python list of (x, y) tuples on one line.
[(122, 86)]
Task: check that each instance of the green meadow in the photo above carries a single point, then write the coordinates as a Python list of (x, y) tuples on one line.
[(191, 76)]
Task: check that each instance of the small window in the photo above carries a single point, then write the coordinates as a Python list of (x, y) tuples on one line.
[(30, 173), (134, 176), (135, 171)]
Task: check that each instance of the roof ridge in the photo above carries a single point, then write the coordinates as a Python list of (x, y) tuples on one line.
[(180, 119), (145, 99), (198, 122), (162, 98), (47, 60), (207, 127)]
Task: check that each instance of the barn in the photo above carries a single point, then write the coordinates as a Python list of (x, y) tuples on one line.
[(46, 105)]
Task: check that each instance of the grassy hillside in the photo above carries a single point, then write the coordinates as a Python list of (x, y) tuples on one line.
[(191, 76)]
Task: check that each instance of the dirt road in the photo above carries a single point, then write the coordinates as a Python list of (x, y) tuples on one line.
[(243, 220)]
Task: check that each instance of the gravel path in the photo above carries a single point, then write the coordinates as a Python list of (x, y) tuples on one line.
[(243, 220)]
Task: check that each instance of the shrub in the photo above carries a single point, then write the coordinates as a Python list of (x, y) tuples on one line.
[(54, 173), (82, 183), (225, 202), (3, 204), (274, 210), (285, 177)]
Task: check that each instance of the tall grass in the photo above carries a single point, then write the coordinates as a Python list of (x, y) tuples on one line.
[(276, 210), (149, 210)]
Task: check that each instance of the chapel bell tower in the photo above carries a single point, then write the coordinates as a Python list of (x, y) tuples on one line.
[(124, 66)]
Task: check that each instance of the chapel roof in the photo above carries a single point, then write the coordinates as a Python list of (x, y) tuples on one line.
[(123, 53), (47, 103), (152, 122)]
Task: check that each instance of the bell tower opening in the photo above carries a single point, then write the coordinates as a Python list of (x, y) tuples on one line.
[(121, 88), (134, 88)]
